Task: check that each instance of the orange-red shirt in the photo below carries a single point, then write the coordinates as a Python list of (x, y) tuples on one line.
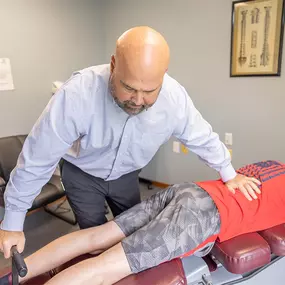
[(238, 214)]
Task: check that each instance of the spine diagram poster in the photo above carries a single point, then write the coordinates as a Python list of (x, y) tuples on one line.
[(6, 79), (257, 36)]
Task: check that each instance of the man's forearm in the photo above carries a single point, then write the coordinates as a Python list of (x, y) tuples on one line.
[(197, 134)]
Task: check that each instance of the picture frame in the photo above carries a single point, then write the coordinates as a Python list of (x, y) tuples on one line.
[(257, 30)]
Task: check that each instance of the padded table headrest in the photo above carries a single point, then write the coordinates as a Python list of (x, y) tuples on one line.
[(249, 251), (275, 237), (243, 253)]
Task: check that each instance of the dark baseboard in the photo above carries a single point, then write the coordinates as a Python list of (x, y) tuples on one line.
[(151, 183)]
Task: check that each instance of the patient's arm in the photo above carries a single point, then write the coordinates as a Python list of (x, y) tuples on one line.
[(65, 248)]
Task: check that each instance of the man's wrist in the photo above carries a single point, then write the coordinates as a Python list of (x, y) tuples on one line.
[(228, 173), (13, 221)]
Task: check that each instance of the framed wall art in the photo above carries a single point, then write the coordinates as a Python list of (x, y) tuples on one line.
[(257, 38)]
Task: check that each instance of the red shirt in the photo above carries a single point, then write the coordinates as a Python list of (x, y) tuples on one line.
[(239, 215)]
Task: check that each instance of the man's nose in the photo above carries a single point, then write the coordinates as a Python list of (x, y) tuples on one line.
[(138, 98)]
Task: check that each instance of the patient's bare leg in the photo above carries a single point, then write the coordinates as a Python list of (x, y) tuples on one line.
[(105, 269), (72, 245)]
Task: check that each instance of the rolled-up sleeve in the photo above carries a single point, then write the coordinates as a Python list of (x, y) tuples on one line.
[(52, 135), (197, 135)]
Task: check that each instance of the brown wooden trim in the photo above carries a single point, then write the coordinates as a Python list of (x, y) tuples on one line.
[(160, 184), (155, 183), (58, 201)]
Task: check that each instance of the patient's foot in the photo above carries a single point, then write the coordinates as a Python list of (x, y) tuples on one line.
[(6, 279)]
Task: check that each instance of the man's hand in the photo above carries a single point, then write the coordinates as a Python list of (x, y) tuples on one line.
[(9, 239), (247, 185)]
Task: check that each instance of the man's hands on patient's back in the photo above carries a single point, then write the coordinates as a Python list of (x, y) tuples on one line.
[(247, 185), (9, 239)]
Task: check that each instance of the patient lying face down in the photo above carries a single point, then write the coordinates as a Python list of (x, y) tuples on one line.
[(180, 220)]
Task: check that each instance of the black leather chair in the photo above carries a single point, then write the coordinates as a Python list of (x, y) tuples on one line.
[(10, 148)]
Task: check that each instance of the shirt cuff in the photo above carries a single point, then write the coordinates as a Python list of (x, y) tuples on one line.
[(13, 221), (228, 173)]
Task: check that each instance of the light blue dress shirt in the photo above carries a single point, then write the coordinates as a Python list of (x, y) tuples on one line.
[(83, 124)]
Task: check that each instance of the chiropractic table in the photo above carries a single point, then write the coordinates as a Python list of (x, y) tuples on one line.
[(254, 258)]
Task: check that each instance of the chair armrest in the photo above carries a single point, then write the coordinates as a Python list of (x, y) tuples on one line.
[(2, 185), (2, 189), (2, 182)]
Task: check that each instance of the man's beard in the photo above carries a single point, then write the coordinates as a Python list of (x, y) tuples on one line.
[(128, 106)]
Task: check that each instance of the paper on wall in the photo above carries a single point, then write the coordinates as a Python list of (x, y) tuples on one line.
[(6, 79)]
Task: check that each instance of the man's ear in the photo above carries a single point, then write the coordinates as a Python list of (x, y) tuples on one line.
[(112, 64)]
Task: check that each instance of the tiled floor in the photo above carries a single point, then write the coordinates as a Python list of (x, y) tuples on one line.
[(41, 228)]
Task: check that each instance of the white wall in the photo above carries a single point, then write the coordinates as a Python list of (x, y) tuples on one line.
[(199, 35), (45, 41), (48, 40)]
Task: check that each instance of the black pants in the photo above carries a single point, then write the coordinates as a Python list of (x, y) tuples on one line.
[(86, 194)]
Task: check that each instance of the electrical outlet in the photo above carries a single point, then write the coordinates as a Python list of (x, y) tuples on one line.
[(176, 147), (228, 138)]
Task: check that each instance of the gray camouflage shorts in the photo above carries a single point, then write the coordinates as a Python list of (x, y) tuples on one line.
[(167, 225)]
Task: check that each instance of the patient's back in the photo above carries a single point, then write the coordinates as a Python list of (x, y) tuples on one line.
[(239, 215)]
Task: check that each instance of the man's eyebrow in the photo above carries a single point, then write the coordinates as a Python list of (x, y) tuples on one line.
[(128, 86)]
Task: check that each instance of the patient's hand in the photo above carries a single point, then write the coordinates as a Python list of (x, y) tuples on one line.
[(247, 185)]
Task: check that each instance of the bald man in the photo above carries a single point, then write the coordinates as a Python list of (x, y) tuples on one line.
[(107, 122)]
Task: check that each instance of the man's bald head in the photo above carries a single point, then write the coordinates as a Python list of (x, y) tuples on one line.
[(143, 50), (138, 66)]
